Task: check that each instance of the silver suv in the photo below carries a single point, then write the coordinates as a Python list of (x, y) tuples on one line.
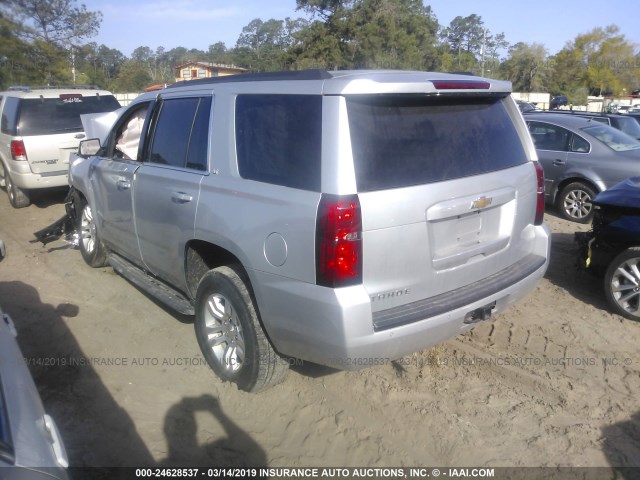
[(39, 128), (343, 218)]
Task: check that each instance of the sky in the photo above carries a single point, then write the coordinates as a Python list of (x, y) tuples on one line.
[(198, 24)]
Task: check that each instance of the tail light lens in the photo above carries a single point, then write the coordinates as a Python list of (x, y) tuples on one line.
[(461, 85), (339, 241), (18, 152), (540, 194)]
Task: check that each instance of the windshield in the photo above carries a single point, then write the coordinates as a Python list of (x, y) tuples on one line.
[(612, 138), (47, 116)]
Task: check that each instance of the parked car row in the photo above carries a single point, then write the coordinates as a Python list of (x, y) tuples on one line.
[(581, 155), (334, 217)]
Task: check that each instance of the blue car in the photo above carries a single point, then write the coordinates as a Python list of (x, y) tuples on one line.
[(612, 247)]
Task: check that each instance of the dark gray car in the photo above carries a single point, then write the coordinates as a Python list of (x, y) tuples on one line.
[(580, 157)]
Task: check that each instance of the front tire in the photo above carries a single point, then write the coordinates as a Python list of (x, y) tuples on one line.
[(622, 283), (230, 335), (93, 251), (574, 202)]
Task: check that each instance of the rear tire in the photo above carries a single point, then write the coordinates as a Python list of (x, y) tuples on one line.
[(93, 251), (230, 335), (622, 283), (18, 198), (574, 202)]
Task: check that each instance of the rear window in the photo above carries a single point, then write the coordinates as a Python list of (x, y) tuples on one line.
[(613, 138), (629, 126), (400, 141), (47, 116), (278, 139)]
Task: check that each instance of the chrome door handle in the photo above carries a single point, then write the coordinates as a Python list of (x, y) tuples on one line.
[(558, 163), (181, 197)]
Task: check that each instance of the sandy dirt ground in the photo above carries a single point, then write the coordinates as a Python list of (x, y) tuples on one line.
[(552, 381)]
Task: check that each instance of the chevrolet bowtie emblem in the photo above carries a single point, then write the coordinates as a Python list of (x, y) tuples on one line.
[(482, 202)]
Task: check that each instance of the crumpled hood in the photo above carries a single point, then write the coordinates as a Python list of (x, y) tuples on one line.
[(98, 125), (625, 194)]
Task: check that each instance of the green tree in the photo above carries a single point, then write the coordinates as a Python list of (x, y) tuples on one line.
[(597, 61), (57, 22), (100, 65), (327, 41), (367, 34), (133, 77), (465, 37), (393, 34), (526, 67), (262, 45), (52, 31)]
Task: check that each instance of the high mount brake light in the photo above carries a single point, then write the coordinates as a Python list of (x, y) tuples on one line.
[(339, 241), (461, 85)]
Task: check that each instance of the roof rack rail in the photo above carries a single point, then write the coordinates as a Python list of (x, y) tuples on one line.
[(573, 112), (25, 88), (311, 74), (18, 88)]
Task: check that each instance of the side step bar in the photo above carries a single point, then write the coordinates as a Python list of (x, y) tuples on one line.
[(154, 287)]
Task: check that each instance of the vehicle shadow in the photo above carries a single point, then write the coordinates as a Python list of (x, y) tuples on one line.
[(564, 272), (96, 431), (46, 197), (621, 446), (236, 450)]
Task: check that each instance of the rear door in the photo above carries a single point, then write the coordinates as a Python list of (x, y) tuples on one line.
[(167, 186), (552, 144), (447, 193)]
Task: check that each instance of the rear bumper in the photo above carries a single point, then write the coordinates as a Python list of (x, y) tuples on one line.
[(336, 327), (24, 178)]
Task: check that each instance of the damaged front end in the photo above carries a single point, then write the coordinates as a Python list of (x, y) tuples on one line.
[(96, 127), (615, 226), (64, 226)]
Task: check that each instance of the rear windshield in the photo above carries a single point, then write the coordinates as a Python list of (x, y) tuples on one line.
[(613, 138), (49, 116), (400, 141), (629, 126)]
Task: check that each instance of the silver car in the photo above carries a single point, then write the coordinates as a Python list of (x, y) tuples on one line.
[(343, 218), (30, 445), (580, 157)]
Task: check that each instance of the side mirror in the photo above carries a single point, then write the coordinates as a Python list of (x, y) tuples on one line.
[(3, 250), (89, 147)]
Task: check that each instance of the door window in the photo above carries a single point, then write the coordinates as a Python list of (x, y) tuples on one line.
[(182, 133), (549, 137)]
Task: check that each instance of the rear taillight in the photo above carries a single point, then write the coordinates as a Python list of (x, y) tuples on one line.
[(339, 241), (540, 194), (18, 152)]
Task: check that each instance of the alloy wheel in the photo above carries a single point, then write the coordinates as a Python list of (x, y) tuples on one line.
[(224, 333)]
